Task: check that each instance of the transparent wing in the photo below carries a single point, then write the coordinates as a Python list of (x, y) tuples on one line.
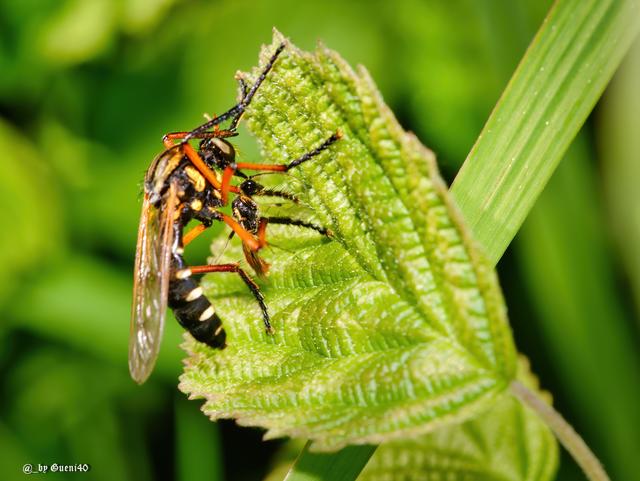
[(150, 285)]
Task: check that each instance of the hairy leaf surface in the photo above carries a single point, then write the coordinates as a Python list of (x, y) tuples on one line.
[(394, 326), (508, 442)]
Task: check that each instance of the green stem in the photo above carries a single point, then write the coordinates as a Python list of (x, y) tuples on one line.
[(567, 436)]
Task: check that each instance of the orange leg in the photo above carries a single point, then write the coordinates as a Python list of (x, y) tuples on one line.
[(204, 169), (227, 175), (217, 133), (197, 161), (246, 236), (174, 136), (193, 233), (269, 167), (194, 157), (214, 268)]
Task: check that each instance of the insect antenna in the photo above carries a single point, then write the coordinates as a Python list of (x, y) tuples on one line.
[(235, 112), (224, 248), (246, 100)]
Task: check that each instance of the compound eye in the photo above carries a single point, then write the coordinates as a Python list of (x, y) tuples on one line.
[(250, 187), (225, 148)]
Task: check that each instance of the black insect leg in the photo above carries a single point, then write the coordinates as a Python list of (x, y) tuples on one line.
[(244, 103), (280, 194), (297, 223), (235, 112), (252, 188), (294, 163), (253, 287), (243, 86)]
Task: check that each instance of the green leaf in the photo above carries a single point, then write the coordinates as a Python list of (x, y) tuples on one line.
[(508, 443), (557, 83), (394, 327)]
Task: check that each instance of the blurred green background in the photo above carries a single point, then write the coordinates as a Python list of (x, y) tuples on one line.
[(88, 88)]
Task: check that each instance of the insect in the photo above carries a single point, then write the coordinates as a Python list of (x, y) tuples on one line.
[(183, 184), (245, 209), (175, 193)]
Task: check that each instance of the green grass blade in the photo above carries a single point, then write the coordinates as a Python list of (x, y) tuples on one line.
[(618, 138), (344, 465), (556, 85)]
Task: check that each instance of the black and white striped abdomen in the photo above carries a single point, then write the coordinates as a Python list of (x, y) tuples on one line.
[(191, 307)]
